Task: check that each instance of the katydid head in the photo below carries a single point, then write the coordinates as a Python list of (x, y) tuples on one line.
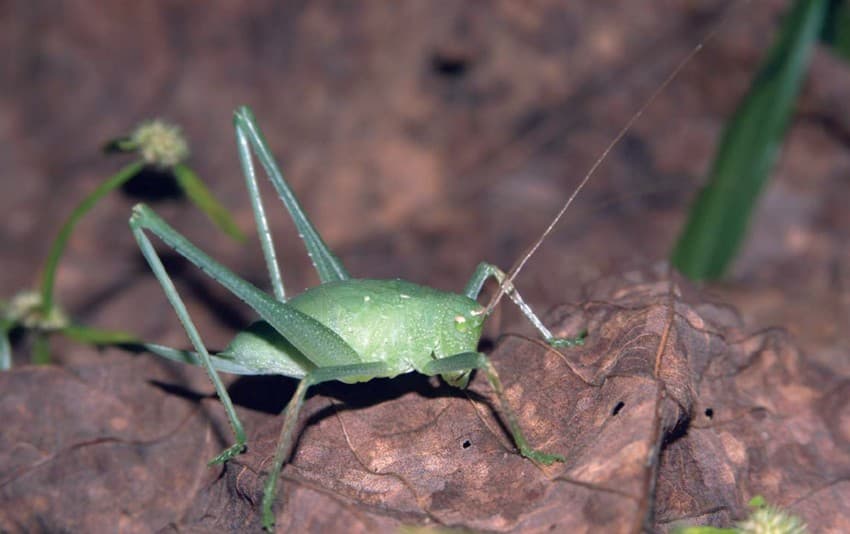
[(462, 335)]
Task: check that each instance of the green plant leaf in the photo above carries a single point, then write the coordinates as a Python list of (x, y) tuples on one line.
[(757, 502), (120, 146), (97, 336), (204, 199), (836, 28), (41, 349), (5, 347), (718, 220)]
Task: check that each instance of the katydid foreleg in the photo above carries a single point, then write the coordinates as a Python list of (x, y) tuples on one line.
[(486, 270), (475, 360)]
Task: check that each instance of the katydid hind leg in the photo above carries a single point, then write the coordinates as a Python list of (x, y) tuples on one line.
[(487, 270), (287, 436), (327, 265), (263, 230), (475, 360), (219, 361), (173, 297), (322, 346)]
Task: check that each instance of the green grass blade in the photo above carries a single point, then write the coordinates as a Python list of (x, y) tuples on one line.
[(748, 148), (201, 196), (41, 349), (58, 247), (120, 145), (98, 336), (5, 347), (836, 28)]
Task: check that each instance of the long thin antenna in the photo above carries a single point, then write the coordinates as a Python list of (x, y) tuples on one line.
[(518, 266)]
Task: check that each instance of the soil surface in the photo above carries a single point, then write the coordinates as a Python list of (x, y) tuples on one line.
[(422, 141)]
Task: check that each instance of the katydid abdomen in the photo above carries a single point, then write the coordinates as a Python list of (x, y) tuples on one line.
[(403, 324)]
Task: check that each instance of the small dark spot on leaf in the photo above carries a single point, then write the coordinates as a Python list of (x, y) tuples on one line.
[(618, 408), (450, 64), (466, 444), (709, 412), (679, 431), (759, 413)]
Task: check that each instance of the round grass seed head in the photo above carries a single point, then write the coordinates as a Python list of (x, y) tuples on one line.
[(771, 520), (25, 308), (160, 143)]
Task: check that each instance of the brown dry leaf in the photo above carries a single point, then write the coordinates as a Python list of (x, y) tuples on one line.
[(672, 413)]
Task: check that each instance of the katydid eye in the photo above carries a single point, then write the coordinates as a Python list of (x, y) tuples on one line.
[(460, 323)]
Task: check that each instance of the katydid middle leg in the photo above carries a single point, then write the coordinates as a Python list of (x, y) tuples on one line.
[(263, 231), (285, 442), (248, 137), (476, 360), (485, 271)]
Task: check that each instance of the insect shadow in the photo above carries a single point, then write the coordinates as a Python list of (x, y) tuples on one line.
[(269, 394)]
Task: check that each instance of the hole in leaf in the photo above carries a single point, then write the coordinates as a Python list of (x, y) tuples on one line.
[(618, 408), (679, 431), (450, 64), (466, 444), (709, 412)]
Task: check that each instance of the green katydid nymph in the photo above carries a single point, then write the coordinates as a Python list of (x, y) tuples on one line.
[(345, 329)]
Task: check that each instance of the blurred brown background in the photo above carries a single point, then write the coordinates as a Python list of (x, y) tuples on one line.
[(421, 138)]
